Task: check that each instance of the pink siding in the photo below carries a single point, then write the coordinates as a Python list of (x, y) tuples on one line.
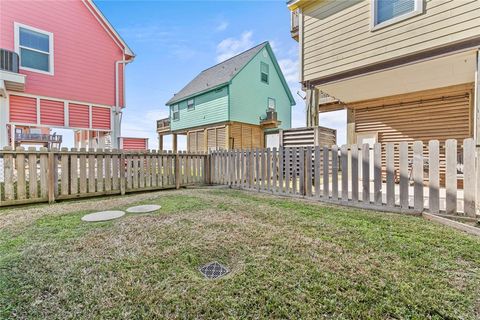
[(84, 52), (101, 118), (52, 113), (133, 144), (78, 116), (23, 109)]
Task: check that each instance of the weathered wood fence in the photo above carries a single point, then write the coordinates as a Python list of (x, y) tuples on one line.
[(357, 175), (30, 176)]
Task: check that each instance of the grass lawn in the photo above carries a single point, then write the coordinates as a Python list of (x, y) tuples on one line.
[(288, 259)]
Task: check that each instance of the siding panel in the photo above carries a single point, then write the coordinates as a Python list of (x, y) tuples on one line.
[(52, 113), (101, 118), (338, 37), (23, 109), (79, 116)]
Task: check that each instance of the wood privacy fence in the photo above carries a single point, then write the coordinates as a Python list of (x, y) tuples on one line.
[(29, 176), (408, 179)]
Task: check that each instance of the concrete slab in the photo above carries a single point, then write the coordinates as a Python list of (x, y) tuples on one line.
[(144, 208), (103, 216)]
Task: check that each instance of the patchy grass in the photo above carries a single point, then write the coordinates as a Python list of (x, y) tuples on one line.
[(288, 259)]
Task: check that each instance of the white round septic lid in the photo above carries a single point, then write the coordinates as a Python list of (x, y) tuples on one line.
[(144, 208), (102, 216)]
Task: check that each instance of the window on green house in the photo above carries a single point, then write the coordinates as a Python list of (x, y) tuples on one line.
[(271, 104), (191, 104), (264, 72), (175, 112)]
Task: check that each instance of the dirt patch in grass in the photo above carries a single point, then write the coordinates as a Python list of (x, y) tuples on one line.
[(288, 259)]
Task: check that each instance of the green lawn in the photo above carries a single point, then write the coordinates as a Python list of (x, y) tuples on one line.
[(288, 259)]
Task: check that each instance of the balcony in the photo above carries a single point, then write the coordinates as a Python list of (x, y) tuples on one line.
[(163, 125), (294, 25), (47, 140), (10, 79), (270, 121)]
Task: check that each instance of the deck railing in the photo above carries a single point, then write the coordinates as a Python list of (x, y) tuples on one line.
[(9, 60), (163, 124), (38, 137)]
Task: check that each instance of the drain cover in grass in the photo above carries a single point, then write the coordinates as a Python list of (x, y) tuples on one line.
[(213, 270), (144, 208), (103, 216)]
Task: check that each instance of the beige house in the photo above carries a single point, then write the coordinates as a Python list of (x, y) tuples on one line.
[(404, 70)]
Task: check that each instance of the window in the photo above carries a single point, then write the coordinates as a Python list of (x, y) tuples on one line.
[(271, 104), (35, 48), (191, 104), (175, 112), (264, 72), (387, 12)]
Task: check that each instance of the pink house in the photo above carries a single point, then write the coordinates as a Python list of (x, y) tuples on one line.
[(62, 65)]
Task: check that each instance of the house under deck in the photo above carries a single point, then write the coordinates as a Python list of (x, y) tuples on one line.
[(428, 100)]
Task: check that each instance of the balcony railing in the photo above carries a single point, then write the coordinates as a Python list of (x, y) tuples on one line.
[(271, 120), (163, 124), (9, 60), (38, 138)]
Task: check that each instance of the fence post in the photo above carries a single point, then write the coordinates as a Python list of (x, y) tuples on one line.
[(51, 177), (122, 173), (206, 169), (177, 171)]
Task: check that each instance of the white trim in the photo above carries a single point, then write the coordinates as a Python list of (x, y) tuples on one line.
[(51, 53), (419, 7), (110, 27), (90, 116), (66, 115)]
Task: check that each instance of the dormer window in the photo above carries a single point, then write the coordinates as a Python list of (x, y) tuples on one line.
[(387, 12), (35, 48)]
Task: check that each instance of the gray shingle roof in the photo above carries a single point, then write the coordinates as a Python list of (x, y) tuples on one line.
[(217, 75)]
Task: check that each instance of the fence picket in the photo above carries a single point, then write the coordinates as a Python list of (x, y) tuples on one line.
[(451, 176), (74, 171), (269, 170), (115, 171), (377, 174), (434, 176), (366, 173), (469, 177), (301, 171), (344, 165), (8, 169), (91, 171), (326, 178), (417, 171), (99, 171), (354, 172), (64, 173), (108, 172), (404, 197), (83, 171), (288, 168), (32, 173), (281, 169), (335, 172), (390, 158), (21, 178), (308, 174)]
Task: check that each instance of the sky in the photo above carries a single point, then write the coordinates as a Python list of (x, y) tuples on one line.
[(175, 40)]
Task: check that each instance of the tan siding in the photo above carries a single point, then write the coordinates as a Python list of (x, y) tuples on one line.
[(337, 35)]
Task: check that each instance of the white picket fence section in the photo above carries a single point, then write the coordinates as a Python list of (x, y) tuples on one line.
[(439, 178)]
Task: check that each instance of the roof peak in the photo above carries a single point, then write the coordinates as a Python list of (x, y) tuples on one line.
[(235, 56)]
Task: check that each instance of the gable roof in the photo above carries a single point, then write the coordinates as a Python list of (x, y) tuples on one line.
[(92, 7), (217, 75)]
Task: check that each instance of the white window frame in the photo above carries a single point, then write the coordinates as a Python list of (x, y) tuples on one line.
[(173, 112), (17, 27), (191, 106), (274, 104), (419, 7)]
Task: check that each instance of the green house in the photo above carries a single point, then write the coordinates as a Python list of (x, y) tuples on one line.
[(232, 105)]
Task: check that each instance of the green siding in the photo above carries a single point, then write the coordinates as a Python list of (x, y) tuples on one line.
[(249, 95), (210, 107)]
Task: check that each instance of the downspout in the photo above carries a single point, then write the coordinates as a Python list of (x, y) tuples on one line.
[(118, 115)]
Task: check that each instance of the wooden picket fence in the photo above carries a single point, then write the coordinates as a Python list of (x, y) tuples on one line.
[(30, 176), (361, 176)]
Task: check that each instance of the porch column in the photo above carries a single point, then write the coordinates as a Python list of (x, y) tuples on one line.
[(160, 142), (351, 127), (3, 122), (174, 142), (312, 102), (116, 126), (476, 129)]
